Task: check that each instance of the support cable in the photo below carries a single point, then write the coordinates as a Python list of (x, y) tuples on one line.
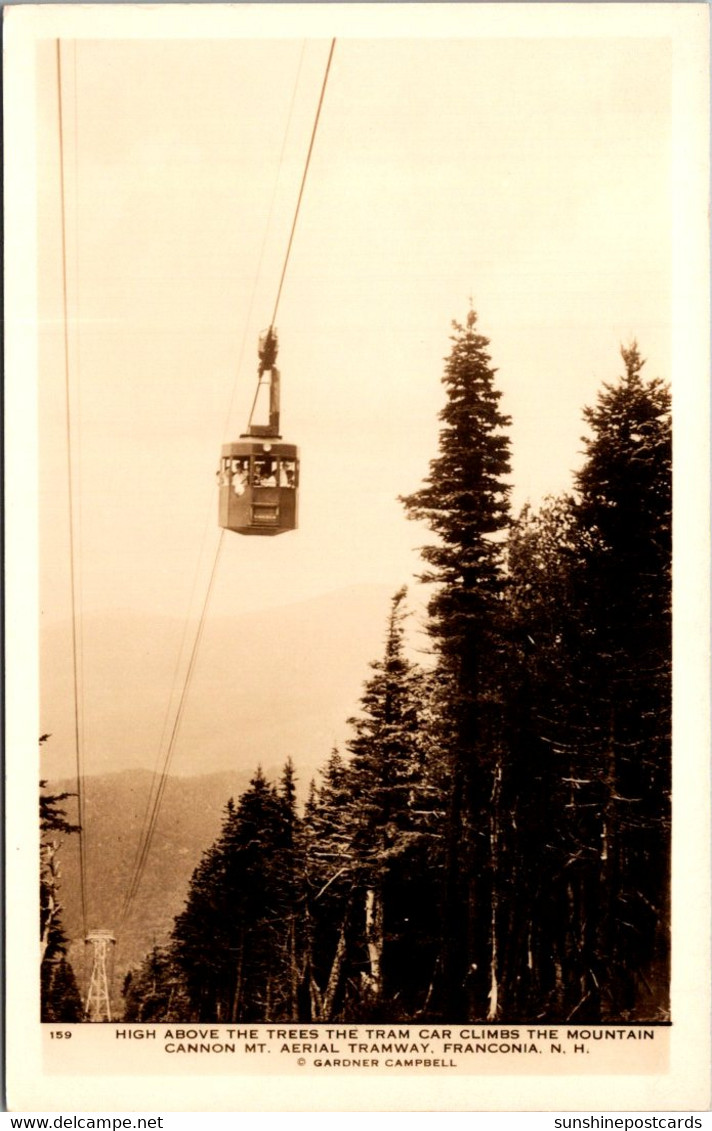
[(145, 846), (264, 244), (296, 212), (133, 889), (158, 780), (78, 744), (304, 181)]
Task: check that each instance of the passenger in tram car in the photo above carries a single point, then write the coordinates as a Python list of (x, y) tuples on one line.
[(265, 473), (239, 476), (286, 473)]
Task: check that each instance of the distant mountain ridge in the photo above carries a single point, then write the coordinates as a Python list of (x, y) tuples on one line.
[(278, 682)]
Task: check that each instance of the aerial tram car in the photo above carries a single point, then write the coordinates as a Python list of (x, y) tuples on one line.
[(258, 475)]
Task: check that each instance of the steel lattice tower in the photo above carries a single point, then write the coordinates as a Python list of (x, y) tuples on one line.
[(98, 1005)]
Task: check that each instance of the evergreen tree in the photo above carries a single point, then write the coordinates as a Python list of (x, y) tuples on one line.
[(465, 502), (384, 750), (53, 825), (625, 501), (589, 598), (155, 991), (201, 940), (625, 506), (387, 833), (290, 861), (60, 998), (373, 846), (236, 941), (329, 884), (554, 829)]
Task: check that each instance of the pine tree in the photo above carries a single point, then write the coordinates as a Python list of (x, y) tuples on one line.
[(236, 941), (589, 598), (290, 863), (328, 875), (60, 996), (625, 506), (201, 940), (155, 991), (465, 502), (384, 750), (53, 825), (625, 502), (60, 999), (387, 839), (374, 845), (553, 837)]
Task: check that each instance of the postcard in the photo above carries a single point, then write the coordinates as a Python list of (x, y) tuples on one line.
[(357, 615)]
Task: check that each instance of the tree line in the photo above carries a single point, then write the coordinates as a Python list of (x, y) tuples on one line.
[(493, 842)]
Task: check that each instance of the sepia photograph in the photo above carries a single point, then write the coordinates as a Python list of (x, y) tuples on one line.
[(356, 368)]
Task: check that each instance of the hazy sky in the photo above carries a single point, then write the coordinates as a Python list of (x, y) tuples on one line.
[(530, 175)]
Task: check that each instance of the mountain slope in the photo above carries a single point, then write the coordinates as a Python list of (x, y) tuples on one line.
[(189, 820), (270, 685)]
